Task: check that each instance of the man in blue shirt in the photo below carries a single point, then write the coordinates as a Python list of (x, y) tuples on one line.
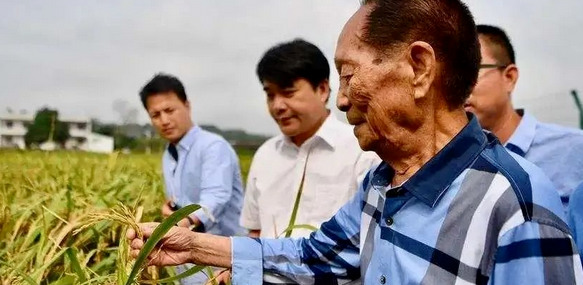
[(557, 150), (448, 205), (575, 217), (199, 167)]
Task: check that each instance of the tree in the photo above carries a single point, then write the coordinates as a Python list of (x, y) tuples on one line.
[(103, 128), (46, 126)]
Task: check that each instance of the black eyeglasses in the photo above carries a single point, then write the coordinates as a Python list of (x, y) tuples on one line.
[(493, 65)]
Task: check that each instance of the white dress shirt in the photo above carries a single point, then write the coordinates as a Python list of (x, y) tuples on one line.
[(334, 170)]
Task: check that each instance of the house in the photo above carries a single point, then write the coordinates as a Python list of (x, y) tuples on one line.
[(13, 128)]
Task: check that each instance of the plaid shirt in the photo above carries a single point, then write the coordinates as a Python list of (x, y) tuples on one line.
[(472, 215)]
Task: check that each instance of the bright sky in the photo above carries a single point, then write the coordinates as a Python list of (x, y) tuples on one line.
[(82, 56)]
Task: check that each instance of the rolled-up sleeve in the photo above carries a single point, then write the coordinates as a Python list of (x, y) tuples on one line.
[(216, 182)]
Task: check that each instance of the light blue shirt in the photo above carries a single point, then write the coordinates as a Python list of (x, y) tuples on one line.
[(576, 217), (473, 214), (557, 150), (207, 173)]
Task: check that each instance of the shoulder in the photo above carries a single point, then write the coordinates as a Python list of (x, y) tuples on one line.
[(536, 197), (269, 147), (556, 134), (207, 139)]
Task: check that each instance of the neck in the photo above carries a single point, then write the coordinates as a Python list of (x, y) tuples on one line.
[(300, 139), (422, 144), (189, 127), (506, 124)]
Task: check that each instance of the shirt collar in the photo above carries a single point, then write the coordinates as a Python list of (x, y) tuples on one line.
[(434, 178), (327, 132), (524, 134)]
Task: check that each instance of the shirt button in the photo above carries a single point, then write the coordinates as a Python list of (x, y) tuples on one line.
[(383, 279), (389, 221)]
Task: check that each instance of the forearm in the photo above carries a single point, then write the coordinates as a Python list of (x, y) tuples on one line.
[(213, 201), (211, 250)]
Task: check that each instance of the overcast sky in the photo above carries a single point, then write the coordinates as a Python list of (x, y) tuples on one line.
[(82, 56)]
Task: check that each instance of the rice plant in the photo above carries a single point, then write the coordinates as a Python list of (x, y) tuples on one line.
[(63, 216)]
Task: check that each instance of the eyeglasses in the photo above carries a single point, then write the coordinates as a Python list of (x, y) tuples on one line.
[(493, 65), (490, 66)]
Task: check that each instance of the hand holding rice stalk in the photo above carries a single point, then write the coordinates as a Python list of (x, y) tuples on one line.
[(155, 233)]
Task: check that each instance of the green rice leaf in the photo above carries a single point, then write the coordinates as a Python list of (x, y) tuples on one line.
[(301, 226), (72, 254), (189, 272), (156, 236)]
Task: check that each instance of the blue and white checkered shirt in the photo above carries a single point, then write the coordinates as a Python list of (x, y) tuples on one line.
[(472, 215)]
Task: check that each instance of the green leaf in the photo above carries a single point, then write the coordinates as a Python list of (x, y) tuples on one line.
[(191, 271), (96, 279), (293, 227), (39, 271), (211, 276), (67, 280), (72, 254), (156, 236)]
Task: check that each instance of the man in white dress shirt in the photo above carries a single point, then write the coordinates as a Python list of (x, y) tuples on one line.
[(315, 154)]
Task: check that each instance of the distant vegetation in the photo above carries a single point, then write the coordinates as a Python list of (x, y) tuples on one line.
[(141, 138)]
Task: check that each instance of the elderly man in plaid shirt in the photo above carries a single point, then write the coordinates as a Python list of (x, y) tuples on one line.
[(449, 205)]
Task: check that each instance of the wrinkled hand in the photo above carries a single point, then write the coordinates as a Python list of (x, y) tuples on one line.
[(174, 249), (166, 209), (222, 277)]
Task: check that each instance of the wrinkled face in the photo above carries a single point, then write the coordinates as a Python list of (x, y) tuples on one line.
[(298, 108), (169, 115), (491, 95), (375, 90)]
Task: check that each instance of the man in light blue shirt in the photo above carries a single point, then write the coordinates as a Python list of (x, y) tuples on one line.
[(557, 150), (575, 217), (448, 205), (199, 167)]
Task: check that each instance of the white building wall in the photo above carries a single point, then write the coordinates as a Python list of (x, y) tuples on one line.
[(13, 129), (99, 143)]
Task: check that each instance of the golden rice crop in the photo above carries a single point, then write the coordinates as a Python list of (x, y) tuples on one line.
[(63, 215)]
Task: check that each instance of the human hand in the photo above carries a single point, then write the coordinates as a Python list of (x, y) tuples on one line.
[(174, 249)]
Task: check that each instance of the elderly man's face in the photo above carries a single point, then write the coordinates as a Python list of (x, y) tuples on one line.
[(375, 90)]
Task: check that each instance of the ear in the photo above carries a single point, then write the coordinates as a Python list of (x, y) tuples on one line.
[(187, 104), (323, 90), (510, 75), (421, 57)]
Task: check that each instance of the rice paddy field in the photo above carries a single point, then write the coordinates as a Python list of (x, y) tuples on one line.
[(47, 201)]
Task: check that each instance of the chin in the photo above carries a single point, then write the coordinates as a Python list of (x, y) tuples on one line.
[(366, 140), (289, 131), (365, 145)]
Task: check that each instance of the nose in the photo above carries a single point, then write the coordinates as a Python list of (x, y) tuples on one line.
[(469, 99), (342, 101), (278, 104), (164, 119)]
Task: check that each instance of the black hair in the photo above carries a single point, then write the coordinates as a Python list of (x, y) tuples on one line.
[(162, 83), (289, 61)]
